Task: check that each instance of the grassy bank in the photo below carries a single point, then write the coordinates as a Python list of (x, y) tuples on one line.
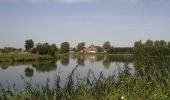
[(23, 57), (19, 57)]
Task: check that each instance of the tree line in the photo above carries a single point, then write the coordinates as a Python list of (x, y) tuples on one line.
[(150, 48), (45, 48)]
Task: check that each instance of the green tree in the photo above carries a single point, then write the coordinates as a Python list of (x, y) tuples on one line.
[(54, 47), (157, 43), (163, 43), (99, 49), (151, 48), (138, 48), (148, 43), (74, 49), (29, 44), (169, 44), (107, 45), (65, 46), (80, 46), (43, 49)]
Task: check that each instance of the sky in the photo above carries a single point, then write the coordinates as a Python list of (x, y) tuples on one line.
[(122, 22)]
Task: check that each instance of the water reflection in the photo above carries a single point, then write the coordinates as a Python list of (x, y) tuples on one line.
[(29, 72), (106, 61), (65, 60), (46, 66), (40, 71), (80, 60), (4, 67)]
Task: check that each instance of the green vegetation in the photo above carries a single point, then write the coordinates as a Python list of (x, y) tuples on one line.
[(17, 57), (99, 49), (151, 81), (45, 66), (107, 45), (151, 48), (65, 46), (7, 50), (45, 49), (29, 44), (121, 50), (80, 46)]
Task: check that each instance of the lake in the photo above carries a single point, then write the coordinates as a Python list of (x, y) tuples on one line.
[(37, 73)]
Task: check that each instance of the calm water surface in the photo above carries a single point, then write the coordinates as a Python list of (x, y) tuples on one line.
[(38, 73)]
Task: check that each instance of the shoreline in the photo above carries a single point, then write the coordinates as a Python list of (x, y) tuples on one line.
[(29, 57)]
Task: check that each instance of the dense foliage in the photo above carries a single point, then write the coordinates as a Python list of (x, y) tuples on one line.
[(99, 49), (107, 45), (6, 50), (151, 48), (80, 46), (44, 49), (65, 46), (29, 44), (121, 50)]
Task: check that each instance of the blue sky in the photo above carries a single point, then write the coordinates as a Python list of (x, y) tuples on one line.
[(93, 21)]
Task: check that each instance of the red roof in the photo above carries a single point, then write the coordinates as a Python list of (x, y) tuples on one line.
[(91, 48)]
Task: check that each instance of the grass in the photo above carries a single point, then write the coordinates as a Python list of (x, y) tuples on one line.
[(150, 82), (18, 57)]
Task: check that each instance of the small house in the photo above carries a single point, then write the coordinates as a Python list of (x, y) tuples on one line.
[(91, 49)]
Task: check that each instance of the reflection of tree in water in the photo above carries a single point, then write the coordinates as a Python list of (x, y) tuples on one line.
[(99, 57), (45, 66), (73, 56), (4, 67), (80, 60), (64, 60), (106, 61), (29, 72)]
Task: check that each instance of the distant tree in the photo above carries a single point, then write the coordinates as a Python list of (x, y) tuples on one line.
[(54, 47), (121, 50), (139, 48), (151, 48), (80, 46), (163, 43), (99, 49), (74, 49), (169, 44), (65, 46), (107, 45), (43, 49), (29, 44), (157, 43), (148, 43)]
